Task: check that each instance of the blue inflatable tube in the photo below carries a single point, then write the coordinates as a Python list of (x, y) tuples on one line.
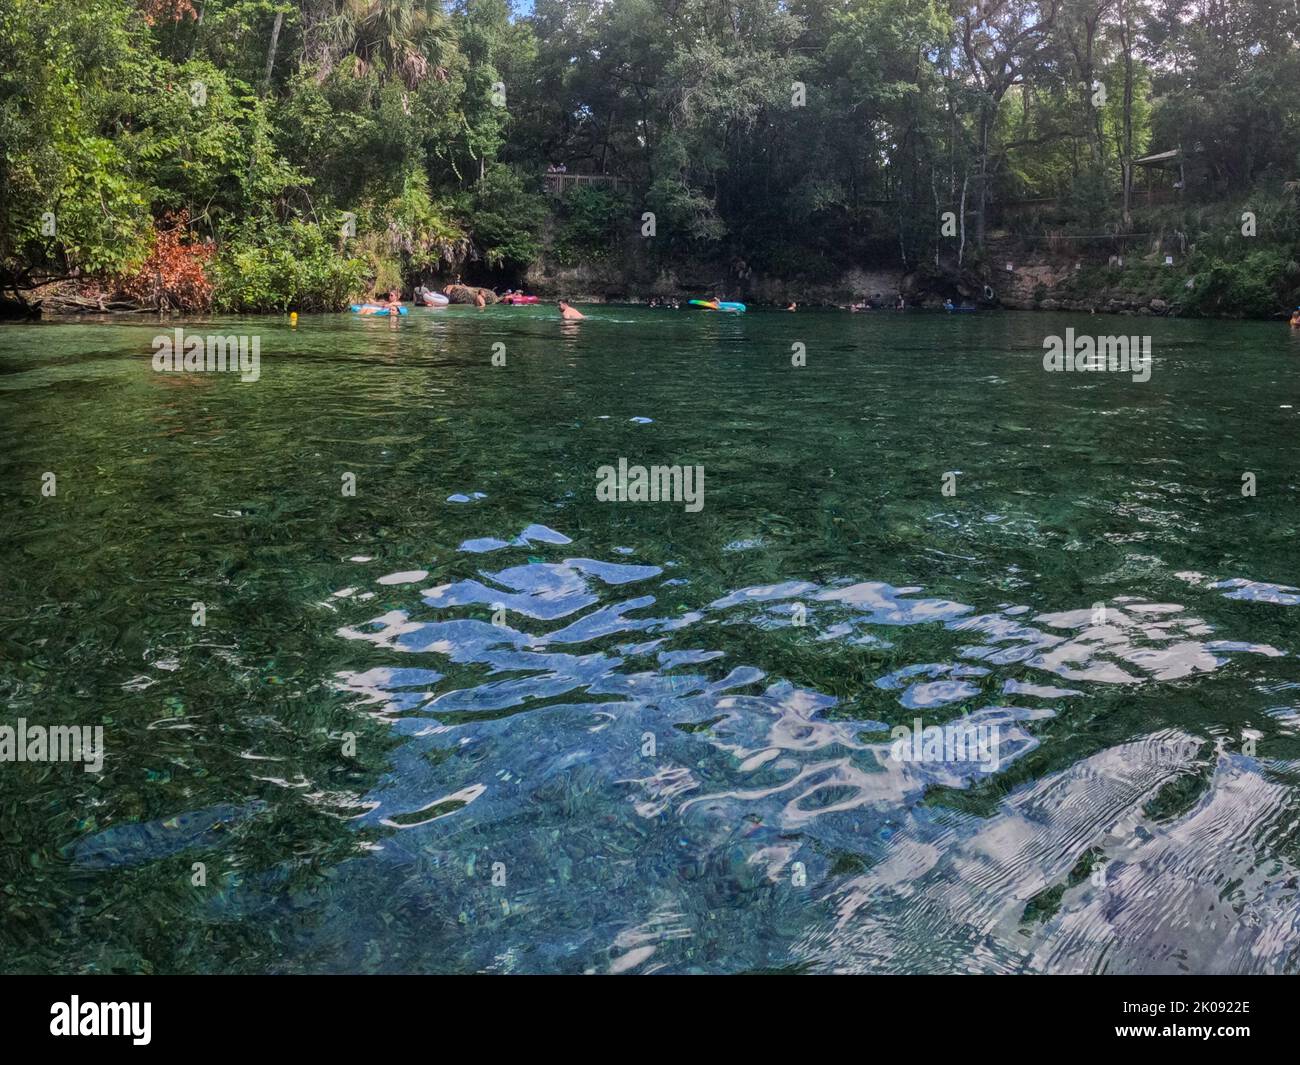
[(376, 311)]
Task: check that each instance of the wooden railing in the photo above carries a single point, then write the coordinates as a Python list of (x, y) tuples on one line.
[(1000, 211), (558, 184)]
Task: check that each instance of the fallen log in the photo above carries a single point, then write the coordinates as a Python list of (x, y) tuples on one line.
[(87, 298)]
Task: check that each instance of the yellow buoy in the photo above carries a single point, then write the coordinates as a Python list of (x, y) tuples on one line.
[(293, 318)]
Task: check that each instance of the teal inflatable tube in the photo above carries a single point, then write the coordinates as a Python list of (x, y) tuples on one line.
[(375, 310), (719, 305)]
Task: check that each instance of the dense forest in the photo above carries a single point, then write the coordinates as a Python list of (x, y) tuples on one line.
[(255, 155)]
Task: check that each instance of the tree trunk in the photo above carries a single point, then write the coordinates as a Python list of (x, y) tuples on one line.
[(961, 248), (934, 192), (198, 25), (983, 199), (270, 52), (1126, 147)]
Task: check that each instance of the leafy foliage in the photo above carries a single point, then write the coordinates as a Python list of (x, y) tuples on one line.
[(508, 218), (800, 138), (175, 272), (1250, 287), (593, 220), (279, 268), (68, 202)]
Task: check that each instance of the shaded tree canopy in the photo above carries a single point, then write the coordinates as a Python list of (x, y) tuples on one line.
[(397, 137)]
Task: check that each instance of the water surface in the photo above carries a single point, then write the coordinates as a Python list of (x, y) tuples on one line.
[(471, 719)]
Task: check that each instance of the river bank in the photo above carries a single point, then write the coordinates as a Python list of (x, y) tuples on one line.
[(1009, 274), (1007, 277)]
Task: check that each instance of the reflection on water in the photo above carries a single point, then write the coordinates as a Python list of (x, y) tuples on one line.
[(732, 776), (474, 721)]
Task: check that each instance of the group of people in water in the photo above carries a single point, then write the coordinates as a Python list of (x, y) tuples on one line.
[(391, 303), (877, 302)]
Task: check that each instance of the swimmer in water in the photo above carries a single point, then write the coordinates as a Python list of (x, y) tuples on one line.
[(570, 314)]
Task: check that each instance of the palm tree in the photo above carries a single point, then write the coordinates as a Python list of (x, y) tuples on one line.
[(392, 37)]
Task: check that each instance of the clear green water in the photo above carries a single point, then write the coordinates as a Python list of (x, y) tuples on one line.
[(770, 828)]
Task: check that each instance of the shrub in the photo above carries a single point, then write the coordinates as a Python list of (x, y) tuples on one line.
[(278, 268), (506, 218), (407, 235), (592, 219), (175, 272), (1249, 288)]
